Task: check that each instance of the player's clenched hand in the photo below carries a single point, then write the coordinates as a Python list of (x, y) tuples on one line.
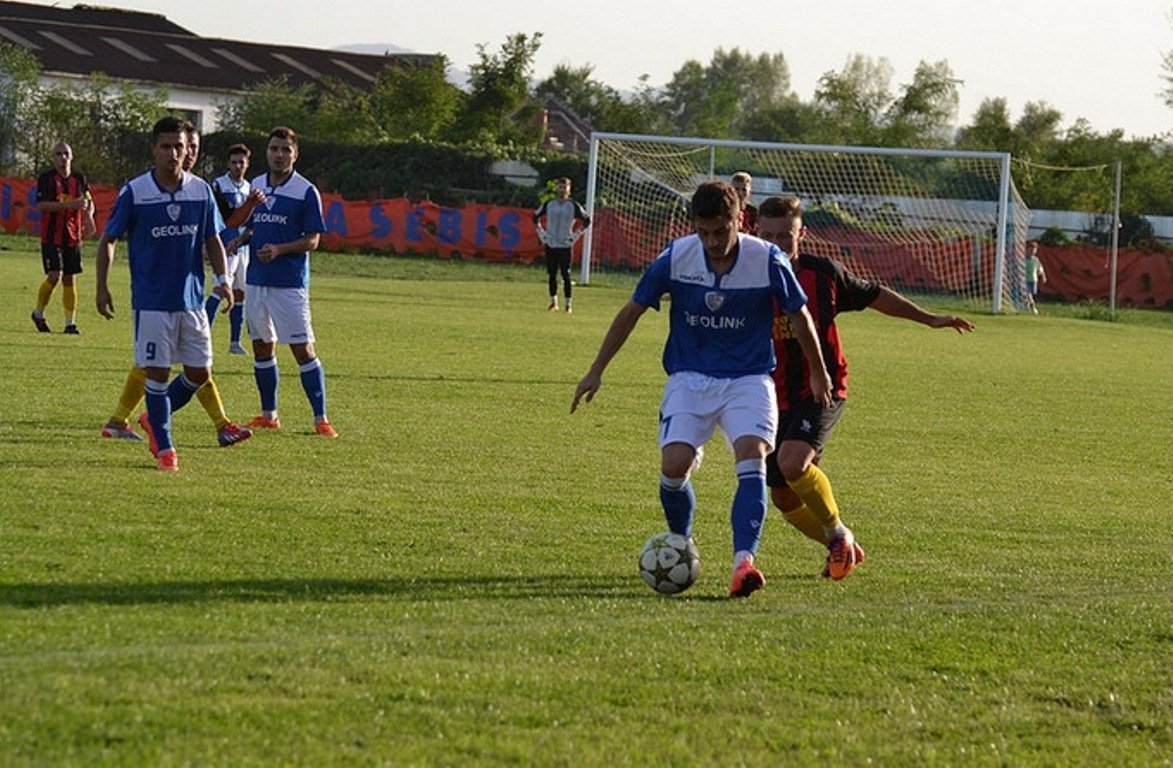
[(268, 252), (586, 388)]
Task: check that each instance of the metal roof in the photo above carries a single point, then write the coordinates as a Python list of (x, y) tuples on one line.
[(148, 48)]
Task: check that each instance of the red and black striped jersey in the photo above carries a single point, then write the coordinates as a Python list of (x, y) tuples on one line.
[(748, 221), (61, 227), (830, 289)]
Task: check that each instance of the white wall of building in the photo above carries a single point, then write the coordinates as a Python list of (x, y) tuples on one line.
[(201, 106)]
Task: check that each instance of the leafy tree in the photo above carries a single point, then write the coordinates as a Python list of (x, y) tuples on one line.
[(103, 122), (700, 105), (1036, 130), (342, 113), (19, 73), (500, 100), (721, 98), (268, 104), (853, 101), (990, 131), (761, 82), (791, 121), (922, 116), (601, 105), (409, 101)]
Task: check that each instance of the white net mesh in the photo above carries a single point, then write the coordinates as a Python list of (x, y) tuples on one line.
[(918, 221)]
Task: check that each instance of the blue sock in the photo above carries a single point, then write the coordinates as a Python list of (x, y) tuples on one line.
[(236, 321), (180, 391), (265, 372), (159, 413), (749, 505), (679, 502), (210, 306), (313, 381)]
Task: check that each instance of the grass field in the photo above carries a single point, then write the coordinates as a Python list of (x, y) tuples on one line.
[(453, 582)]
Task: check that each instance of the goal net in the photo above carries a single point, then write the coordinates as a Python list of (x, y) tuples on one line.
[(931, 222)]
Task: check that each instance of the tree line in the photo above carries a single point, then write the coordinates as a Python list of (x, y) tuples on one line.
[(735, 95)]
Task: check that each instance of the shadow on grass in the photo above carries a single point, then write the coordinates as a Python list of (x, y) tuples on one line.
[(425, 588)]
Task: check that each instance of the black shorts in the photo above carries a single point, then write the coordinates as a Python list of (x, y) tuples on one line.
[(810, 423), (61, 258), (557, 259)]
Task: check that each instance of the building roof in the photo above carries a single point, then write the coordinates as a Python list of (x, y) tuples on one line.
[(148, 48)]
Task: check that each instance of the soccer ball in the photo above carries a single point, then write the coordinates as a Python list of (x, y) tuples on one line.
[(669, 563)]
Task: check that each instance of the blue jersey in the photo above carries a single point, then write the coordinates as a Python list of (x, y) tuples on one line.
[(291, 210), (165, 234), (720, 326), (231, 196)]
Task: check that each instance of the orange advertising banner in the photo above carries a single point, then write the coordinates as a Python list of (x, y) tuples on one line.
[(481, 232), (502, 234)]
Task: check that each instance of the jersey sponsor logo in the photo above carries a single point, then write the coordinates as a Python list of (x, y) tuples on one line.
[(700, 278), (271, 218), (175, 230), (714, 300), (717, 323), (784, 329)]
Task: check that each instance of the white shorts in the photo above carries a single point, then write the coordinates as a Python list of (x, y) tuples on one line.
[(694, 405), (164, 339), (279, 315), (237, 265)]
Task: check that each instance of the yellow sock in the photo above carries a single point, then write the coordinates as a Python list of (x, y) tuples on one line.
[(209, 395), (814, 489), (44, 293), (69, 301), (804, 520), (133, 392)]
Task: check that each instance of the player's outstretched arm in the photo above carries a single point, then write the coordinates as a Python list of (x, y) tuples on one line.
[(892, 303), (617, 334)]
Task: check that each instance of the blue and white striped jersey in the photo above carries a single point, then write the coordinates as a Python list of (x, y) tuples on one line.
[(292, 210), (720, 326), (165, 234)]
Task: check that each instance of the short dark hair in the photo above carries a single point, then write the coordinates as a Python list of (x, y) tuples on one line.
[(715, 200), (240, 149), (778, 206), (283, 132), (168, 124)]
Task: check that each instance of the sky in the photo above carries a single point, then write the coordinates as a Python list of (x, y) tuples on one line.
[(1087, 58)]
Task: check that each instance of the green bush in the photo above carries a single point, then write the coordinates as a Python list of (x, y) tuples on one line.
[(446, 174)]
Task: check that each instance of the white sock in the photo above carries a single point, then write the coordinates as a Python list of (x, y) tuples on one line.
[(741, 555)]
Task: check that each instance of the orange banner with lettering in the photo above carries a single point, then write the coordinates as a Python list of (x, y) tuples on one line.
[(503, 234), (479, 232)]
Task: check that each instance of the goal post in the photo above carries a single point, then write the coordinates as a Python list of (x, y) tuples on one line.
[(933, 222)]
